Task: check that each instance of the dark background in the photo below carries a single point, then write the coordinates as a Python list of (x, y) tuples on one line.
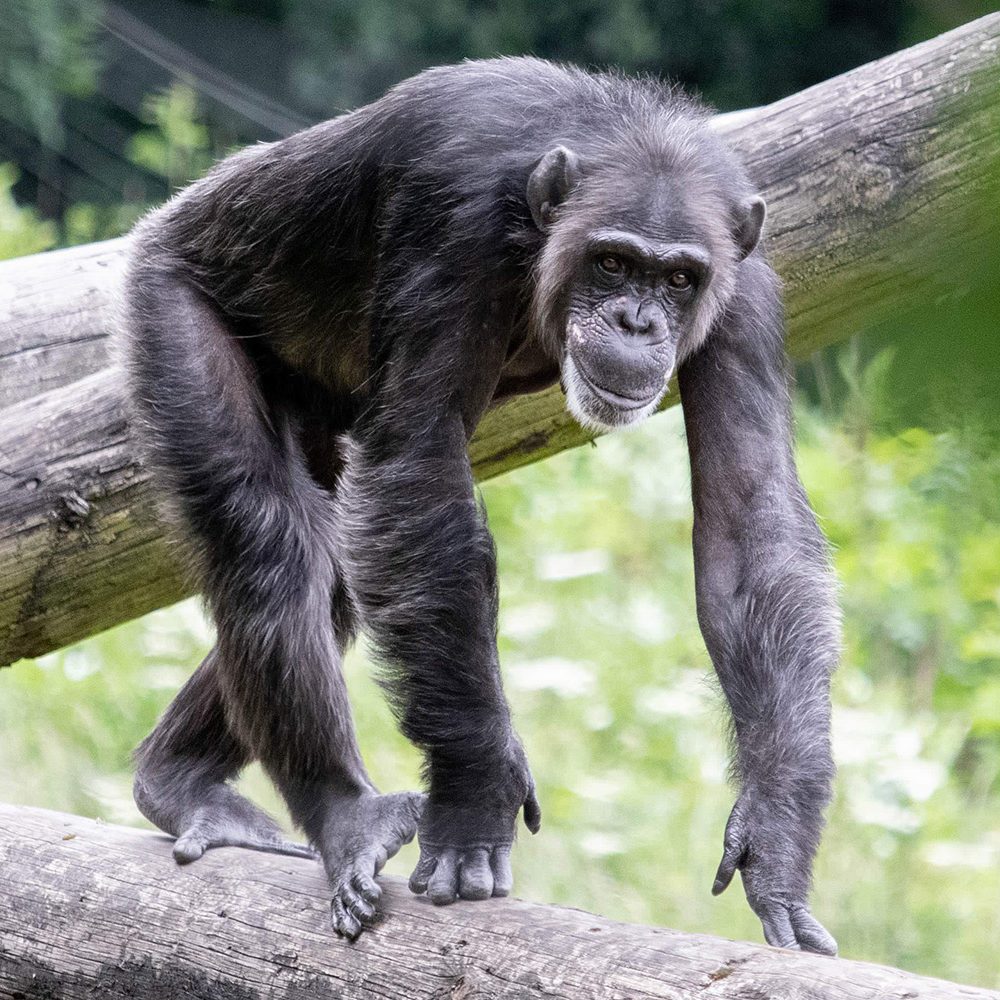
[(76, 75)]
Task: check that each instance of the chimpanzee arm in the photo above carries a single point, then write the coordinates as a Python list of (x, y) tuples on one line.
[(766, 606), (421, 565)]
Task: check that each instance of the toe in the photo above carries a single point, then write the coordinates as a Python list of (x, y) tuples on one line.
[(443, 885), (189, 847), (408, 807), (475, 879), (345, 923), (355, 903), (367, 888), (295, 850), (276, 844), (415, 802)]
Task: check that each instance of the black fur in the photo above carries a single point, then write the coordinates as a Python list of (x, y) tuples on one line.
[(313, 333)]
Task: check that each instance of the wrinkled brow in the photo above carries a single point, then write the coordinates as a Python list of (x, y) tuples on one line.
[(654, 254)]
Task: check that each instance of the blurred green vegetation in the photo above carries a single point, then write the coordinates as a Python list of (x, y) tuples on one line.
[(606, 671)]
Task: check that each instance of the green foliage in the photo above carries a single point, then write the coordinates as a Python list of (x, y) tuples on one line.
[(176, 144), (87, 222), (79, 137), (21, 231), (352, 51), (46, 55)]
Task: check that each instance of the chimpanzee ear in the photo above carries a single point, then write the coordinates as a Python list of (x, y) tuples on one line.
[(749, 223), (555, 176)]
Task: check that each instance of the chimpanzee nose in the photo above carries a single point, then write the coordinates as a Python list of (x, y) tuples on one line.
[(642, 326), (631, 320)]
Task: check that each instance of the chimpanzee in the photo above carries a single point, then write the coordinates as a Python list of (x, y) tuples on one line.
[(313, 331)]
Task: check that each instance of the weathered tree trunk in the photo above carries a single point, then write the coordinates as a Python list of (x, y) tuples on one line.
[(91, 910), (882, 188)]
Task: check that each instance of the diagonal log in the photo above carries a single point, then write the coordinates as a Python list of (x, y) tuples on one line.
[(883, 192), (96, 910)]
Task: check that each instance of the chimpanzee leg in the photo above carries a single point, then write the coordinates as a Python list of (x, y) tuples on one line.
[(267, 537), (183, 770)]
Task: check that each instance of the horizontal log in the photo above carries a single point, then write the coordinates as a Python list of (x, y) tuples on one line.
[(82, 547), (873, 179), (56, 314), (97, 910)]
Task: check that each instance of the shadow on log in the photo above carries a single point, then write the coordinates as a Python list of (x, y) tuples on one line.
[(873, 179), (91, 910)]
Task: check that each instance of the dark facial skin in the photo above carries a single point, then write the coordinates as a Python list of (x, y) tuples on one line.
[(631, 303), (313, 332)]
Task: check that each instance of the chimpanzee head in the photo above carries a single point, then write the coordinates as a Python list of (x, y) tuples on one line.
[(641, 253)]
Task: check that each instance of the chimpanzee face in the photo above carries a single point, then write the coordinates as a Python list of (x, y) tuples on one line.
[(639, 259), (633, 299)]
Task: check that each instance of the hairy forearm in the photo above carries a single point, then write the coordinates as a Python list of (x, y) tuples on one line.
[(769, 614), (776, 677), (422, 568), (774, 638)]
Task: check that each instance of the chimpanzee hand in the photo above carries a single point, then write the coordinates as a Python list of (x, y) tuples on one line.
[(465, 843), (766, 841)]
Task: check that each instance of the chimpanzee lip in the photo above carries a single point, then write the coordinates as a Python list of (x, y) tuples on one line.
[(616, 399)]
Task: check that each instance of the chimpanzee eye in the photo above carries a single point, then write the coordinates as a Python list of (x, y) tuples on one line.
[(609, 264), (680, 280)]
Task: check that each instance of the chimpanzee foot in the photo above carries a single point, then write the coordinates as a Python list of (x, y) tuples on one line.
[(213, 815), (359, 836), (245, 827)]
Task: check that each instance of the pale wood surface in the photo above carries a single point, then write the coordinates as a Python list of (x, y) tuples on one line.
[(881, 185), (91, 910)]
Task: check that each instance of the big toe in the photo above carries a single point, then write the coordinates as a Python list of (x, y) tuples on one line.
[(189, 847)]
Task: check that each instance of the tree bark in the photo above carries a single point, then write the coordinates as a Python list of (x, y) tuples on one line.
[(882, 186), (97, 910)]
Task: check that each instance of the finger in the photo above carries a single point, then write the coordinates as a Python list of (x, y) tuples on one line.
[(532, 812), (344, 923), (475, 879), (503, 877), (422, 873), (368, 888), (731, 857), (778, 927), (442, 888), (810, 933)]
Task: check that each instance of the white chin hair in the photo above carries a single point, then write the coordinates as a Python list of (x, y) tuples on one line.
[(594, 413)]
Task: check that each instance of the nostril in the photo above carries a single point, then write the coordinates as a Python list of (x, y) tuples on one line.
[(631, 321)]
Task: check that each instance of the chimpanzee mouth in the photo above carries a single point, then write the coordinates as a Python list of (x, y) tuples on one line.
[(615, 399)]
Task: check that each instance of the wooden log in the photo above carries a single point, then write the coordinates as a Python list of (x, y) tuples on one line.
[(56, 317), (882, 188), (96, 910), (81, 544)]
